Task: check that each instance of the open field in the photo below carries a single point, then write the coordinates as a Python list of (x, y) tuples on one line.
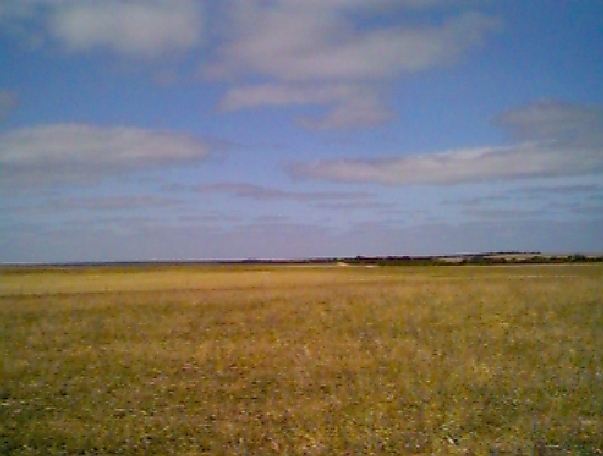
[(302, 360)]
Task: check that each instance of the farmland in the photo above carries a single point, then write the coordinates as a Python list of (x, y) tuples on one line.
[(302, 360)]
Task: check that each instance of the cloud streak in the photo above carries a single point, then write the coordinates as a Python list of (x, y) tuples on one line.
[(261, 193), (75, 153), (559, 139), (554, 119), (293, 41), (349, 105), (116, 203), (8, 102), (277, 53), (317, 52), (147, 29)]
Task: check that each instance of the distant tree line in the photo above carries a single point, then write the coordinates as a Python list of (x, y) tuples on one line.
[(488, 258)]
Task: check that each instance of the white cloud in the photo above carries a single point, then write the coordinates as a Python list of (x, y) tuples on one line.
[(349, 105), (458, 166), (305, 49), (301, 48), (556, 119), (559, 140), (67, 153), (148, 28), (365, 108), (298, 41), (251, 96)]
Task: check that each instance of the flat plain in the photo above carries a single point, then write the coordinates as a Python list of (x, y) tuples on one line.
[(302, 360)]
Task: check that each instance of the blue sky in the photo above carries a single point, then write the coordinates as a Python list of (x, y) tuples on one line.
[(133, 130)]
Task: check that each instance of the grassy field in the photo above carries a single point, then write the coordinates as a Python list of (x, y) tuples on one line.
[(302, 360)]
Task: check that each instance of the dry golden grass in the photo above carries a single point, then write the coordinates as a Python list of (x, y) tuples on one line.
[(435, 360)]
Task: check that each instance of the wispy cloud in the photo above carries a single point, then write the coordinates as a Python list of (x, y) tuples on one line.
[(297, 52), (458, 166), (138, 28), (261, 193), (558, 140), (538, 193), (70, 153), (123, 222), (595, 211), (93, 204), (556, 120), (292, 40), (349, 104), (317, 52), (556, 190), (211, 217), (355, 205), (116, 203), (8, 102), (502, 213)]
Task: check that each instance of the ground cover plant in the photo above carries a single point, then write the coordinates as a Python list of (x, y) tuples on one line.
[(302, 360)]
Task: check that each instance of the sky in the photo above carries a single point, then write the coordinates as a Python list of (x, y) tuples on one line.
[(202, 129)]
